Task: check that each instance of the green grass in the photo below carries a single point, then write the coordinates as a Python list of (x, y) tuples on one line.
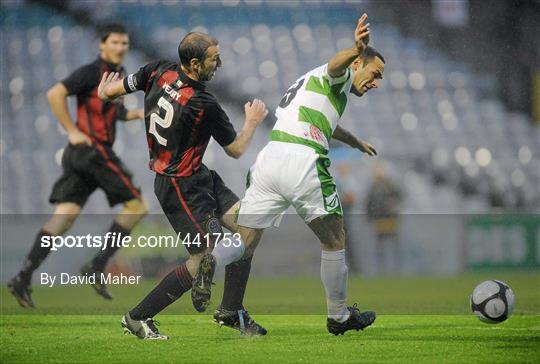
[(419, 319)]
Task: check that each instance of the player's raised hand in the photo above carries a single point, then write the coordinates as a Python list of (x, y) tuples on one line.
[(361, 33), (255, 112), (106, 80), (366, 148)]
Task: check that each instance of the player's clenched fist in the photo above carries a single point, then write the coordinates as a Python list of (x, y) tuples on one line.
[(361, 34), (255, 111)]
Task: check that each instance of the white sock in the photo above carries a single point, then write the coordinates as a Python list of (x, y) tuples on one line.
[(228, 251), (334, 274)]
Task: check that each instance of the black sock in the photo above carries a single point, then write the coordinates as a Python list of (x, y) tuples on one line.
[(35, 257), (100, 260), (171, 288), (236, 278)]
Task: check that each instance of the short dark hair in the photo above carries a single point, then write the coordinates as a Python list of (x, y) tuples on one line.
[(194, 45), (106, 30), (371, 53)]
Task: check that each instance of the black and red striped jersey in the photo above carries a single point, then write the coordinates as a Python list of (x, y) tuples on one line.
[(180, 117), (95, 118)]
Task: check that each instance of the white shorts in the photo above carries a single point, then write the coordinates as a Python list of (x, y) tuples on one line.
[(287, 174)]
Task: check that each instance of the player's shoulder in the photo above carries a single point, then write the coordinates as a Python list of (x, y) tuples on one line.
[(207, 97), (91, 67), (167, 64), (162, 64), (84, 77), (319, 70)]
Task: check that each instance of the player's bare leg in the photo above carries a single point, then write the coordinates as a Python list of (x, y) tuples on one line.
[(334, 273), (225, 252), (62, 219), (231, 312), (134, 210)]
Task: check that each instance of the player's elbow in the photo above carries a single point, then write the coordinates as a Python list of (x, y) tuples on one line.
[(334, 71), (56, 92), (53, 93), (50, 94), (233, 153), (233, 150)]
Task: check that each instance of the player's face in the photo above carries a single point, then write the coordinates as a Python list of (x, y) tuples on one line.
[(114, 48), (208, 68), (368, 76)]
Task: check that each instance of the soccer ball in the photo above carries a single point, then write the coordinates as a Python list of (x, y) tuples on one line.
[(492, 301)]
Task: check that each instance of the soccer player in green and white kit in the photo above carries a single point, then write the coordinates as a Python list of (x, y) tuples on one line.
[(292, 169)]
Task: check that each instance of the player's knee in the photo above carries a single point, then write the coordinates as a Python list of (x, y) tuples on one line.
[(333, 245), (136, 206), (248, 253), (334, 241), (59, 224), (192, 264), (65, 222), (63, 218), (250, 238)]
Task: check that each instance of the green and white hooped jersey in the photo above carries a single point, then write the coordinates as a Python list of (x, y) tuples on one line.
[(311, 108)]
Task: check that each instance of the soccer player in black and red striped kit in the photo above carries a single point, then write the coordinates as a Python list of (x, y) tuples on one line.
[(180, 117), (88, 162)]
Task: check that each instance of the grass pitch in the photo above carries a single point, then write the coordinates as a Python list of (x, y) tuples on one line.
[(419, 320)]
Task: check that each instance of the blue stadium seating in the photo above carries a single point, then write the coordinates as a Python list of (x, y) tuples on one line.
[(437, 123)]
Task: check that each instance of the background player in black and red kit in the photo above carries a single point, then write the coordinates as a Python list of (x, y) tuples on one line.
[(180, 117), (89, 161)]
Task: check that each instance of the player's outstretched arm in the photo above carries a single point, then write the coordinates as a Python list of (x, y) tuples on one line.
[(111, 86), (255, 113), (343, 59), (57, 97), (347, 137)]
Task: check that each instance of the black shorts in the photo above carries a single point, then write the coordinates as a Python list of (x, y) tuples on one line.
[(194, 204), (87, 168)]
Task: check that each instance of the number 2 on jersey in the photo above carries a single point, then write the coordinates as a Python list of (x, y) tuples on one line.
[(163, 122)]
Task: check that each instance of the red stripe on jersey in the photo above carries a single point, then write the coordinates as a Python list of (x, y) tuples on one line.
[(82, 118), (186, 95), (150, 142), (150, 79), (98, 119), (185, 167), (163, 160), (109, 119), (191, 158), (199, 116), (117, 170), (170, 77), (186, 207), (167, 77), (199, 152)]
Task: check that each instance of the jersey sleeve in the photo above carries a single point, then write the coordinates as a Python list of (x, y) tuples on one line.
[(337, 80), (139, 80), (82, 80), (218, 123)]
